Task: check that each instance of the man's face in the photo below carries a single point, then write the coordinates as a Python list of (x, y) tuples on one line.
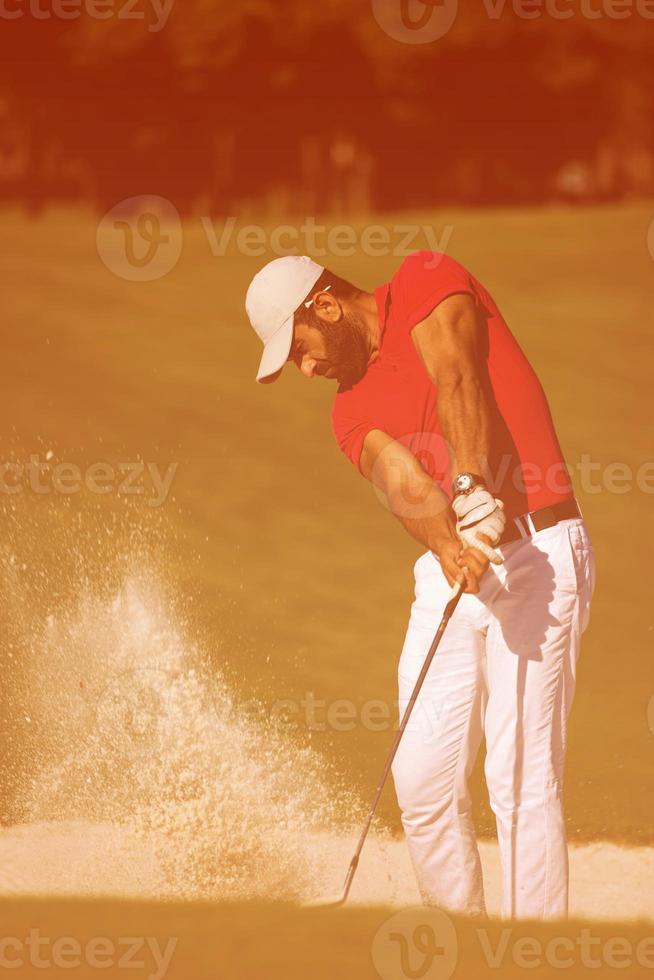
[(330, 349)]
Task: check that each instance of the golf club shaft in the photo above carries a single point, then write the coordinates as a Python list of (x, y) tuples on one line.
[(449, 609)]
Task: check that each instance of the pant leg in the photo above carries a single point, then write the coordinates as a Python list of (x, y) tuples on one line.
[(439, 746), (531, 654)]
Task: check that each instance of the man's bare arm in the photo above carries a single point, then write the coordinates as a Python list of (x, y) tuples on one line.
[(418, 503), (449, 343)]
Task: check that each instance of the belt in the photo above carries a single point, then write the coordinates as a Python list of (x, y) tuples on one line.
[(526, 525)]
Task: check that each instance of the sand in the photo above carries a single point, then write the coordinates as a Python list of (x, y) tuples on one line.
[(148, 781), (75, 858)]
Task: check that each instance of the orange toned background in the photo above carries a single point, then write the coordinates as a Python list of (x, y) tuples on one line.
[(311, 108), (532, 141)]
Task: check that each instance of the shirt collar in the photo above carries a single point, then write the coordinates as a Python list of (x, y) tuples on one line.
[(383, 298)]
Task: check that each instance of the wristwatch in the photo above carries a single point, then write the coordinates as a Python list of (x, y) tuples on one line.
[(465, 483)]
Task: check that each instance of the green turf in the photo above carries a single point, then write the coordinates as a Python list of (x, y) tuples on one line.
[(256, 941), (300, 581)]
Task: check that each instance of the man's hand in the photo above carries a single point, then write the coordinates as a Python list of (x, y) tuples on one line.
[(481, 522), (474, 562), (421, 506), (460, 564)]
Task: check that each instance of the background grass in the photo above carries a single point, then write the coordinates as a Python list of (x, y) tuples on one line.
[(289, 568), (252, 941)]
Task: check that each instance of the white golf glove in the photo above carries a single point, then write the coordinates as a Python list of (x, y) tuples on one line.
[(479, 512)]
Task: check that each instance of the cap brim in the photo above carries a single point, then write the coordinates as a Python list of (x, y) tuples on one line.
[(275, 353)]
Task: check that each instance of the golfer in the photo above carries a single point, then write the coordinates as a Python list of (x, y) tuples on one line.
[(439, 408)]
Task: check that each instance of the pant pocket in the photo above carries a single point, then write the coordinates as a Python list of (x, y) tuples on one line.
[(583, 560)]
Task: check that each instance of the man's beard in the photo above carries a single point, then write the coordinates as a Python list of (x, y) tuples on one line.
[(346, 348)]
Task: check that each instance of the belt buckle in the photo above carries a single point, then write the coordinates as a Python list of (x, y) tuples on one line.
[(546, 518)]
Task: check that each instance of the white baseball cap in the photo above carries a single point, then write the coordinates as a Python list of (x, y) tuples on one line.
[(272, 298)]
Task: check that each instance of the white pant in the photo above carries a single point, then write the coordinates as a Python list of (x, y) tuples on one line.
[(505, 668)]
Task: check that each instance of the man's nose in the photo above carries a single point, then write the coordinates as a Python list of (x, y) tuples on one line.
[(308, 367)]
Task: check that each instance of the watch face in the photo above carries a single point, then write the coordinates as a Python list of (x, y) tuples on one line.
[(463, 482)]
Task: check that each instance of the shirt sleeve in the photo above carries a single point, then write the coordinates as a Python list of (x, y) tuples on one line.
[(423, 281), (350, 432)]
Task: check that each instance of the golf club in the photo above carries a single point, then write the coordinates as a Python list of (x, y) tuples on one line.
[(341, 898)]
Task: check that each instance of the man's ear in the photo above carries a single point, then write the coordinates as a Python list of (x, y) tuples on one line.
[(327, 307)]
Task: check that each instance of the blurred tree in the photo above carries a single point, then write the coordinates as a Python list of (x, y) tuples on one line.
[(316, 108)]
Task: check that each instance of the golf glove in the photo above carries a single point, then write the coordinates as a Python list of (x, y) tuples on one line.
[(479, 512)]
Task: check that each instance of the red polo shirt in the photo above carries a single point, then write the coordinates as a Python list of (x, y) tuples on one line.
[(396, 395)]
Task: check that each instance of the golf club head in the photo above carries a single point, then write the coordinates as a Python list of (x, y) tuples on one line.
[(333, 901), (327, 902)]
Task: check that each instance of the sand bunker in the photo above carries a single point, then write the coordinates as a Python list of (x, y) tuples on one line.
[(135, 774), (82, 859), (133, 751)]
